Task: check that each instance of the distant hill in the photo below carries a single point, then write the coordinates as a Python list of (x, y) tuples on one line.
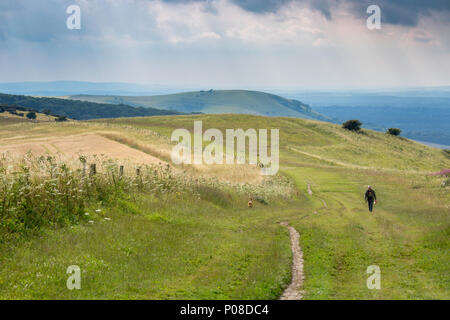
[(65, 88), (80, 110), (16, 114), (214, 102)]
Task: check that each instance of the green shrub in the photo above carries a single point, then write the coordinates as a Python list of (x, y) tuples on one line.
[(394, 131), (61, 119), (31, 115), (352, 125)]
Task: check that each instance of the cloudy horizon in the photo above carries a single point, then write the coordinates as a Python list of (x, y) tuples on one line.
[(228, 43)]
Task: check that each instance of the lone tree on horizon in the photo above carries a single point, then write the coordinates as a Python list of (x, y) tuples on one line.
[(352, 125)]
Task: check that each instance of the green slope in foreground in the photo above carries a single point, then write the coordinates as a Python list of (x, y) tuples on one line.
[(215, 101), (214, 247)]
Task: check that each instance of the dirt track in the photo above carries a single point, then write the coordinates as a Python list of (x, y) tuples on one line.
[(293, 291), (309, 190)]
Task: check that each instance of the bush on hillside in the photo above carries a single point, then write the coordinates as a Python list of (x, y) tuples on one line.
[(394, 131), (352, 125), (61, 119), (31, 115)]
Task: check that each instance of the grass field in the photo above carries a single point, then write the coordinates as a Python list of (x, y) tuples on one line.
[(208, 245)]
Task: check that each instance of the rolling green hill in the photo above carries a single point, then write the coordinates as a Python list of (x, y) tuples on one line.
[(164, 234), (212, 101), (314, 141), (80, 110)]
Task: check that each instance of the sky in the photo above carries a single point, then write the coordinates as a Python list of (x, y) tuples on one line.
[(284, 44)]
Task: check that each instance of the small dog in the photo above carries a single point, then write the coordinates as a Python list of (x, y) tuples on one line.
[(250, 203)]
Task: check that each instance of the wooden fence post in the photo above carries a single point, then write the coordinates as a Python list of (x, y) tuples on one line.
[(93, 170), (121, 171), (84, 169)]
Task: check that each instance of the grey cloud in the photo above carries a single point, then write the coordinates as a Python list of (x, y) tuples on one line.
[(256, 6), (33, 21), (44, 20), (424, 37), (259, 6), (399, 12)]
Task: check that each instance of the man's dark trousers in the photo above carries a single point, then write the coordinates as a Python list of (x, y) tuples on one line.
[(370, 201)]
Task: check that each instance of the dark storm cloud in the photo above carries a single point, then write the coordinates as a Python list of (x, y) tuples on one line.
[(399, 12), (402, 12), (44, 20), (259, 6)]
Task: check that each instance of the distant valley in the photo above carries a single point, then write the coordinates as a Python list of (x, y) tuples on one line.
[(421, 114)]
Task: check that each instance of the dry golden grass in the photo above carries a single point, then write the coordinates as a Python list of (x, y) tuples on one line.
[(70, 148), (40, 117), (69, 141)]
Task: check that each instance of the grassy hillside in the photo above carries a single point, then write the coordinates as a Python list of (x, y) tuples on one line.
[(80, 110), (315, 142), (6, 117), (216, 101), (176, 235), (17, 114)]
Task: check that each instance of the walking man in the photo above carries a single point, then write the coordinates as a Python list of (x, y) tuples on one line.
[(370, 197)]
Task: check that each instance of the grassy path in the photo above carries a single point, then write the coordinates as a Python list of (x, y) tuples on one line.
[(343, 239)]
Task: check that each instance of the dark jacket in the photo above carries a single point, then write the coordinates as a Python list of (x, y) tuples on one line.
[(370, 195)]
